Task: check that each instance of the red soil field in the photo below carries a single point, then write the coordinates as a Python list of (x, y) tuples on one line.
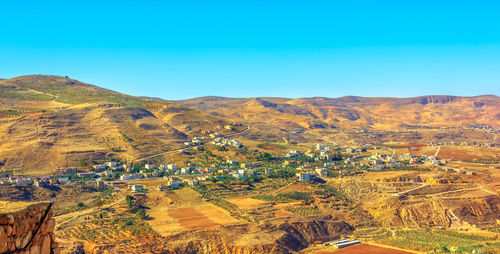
[(190, 218), (368, 248)]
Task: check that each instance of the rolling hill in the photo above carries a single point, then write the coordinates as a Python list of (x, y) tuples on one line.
[(356, 112), (47, 122)]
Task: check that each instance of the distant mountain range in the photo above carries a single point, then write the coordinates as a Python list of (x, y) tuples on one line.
[(353, 112), (48, 122)]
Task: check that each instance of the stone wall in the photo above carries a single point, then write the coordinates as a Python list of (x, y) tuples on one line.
[(18, 223)]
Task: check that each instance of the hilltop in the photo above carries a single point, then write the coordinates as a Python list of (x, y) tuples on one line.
[(47, 122)]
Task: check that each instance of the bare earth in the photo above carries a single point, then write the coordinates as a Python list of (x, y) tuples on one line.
[(358, 249), (183, 209), (245, 202)]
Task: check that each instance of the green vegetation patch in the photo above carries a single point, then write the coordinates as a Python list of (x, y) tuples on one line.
[(271, 146), (26, 95), (135, 225), (441, 240), (329, 191)]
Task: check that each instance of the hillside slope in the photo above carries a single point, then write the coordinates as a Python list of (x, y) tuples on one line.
[(48, 122), (356, 112)]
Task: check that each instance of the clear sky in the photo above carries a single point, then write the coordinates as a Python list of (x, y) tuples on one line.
[(185, 49)]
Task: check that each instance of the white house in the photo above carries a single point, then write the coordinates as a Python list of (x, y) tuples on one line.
[(172, 166), (137, 187), (185, 170), (124, 177), (304, 176), (319, 147), (322, 172), (239, 176)]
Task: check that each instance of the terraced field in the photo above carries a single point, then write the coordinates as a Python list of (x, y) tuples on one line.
[(183, 209), (443, 240)]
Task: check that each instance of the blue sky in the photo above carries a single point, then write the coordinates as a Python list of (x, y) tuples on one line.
[(185, 49)]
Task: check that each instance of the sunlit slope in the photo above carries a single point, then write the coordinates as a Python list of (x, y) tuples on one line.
[(356, 112), (49, 122)]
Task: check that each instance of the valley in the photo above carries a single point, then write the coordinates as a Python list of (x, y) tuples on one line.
[(252, 175)]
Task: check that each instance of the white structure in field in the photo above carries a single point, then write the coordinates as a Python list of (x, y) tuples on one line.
[(304, 176)]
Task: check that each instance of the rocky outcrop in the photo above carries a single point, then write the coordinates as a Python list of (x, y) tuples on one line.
[(20, 224), (481, 211), (426, 214), (273, 237)]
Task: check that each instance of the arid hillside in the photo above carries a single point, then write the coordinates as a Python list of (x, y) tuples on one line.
[(48, 122), (356, 112)]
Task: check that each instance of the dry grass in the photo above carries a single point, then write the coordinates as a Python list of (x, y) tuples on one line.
[(245, 202), (9, 207)]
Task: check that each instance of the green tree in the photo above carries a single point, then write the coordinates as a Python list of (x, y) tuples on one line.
[(141, 213), (82, 163), (130, 201)]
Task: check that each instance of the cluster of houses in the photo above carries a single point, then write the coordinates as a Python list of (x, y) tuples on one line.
[(483, 127), (217, 140), (350, 150), (196, 141), (220, 141), (378, 161), (39, 181), (463, 171), (322, 155), (353, 157), (356, 158), (173, 182), (463, 143)]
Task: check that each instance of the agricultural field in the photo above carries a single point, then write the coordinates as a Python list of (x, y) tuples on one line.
[(183, 209), (271, 198), (357, 249), (232, 188), (305, 210), (442, 240), (372, 249), (247, 202)]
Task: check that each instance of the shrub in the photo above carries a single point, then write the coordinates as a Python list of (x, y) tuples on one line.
[(297, 195), (141, 213)]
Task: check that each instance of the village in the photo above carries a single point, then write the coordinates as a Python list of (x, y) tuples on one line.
[(320, 161)]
